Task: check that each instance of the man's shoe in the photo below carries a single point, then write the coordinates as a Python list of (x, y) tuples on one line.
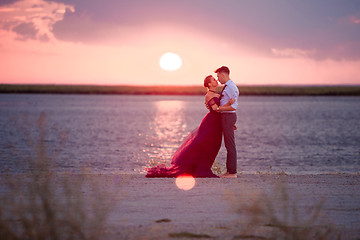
[(229, 175)]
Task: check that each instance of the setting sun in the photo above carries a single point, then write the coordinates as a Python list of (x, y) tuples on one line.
[(170, 61)]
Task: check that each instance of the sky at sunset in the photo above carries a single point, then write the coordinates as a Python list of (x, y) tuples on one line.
[(115, 42)]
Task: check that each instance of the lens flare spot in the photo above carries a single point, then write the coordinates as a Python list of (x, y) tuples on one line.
[(185, 182)]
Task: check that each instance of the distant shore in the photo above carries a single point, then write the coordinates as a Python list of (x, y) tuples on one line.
[(294, 90)]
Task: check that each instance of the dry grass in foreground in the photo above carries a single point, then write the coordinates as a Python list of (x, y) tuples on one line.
[(43, 204), (278, 215), (275, 215)]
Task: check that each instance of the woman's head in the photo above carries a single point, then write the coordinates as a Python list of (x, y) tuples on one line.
[(210, 81)]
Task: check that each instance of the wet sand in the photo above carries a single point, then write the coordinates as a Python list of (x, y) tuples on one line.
[(157, 209)]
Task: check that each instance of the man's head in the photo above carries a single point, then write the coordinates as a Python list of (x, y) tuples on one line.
[(223, 74)]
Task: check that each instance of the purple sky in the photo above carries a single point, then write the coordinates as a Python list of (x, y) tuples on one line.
[(328, 27)]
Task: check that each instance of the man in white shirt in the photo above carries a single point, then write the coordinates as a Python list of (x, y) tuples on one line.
[(228, 119)]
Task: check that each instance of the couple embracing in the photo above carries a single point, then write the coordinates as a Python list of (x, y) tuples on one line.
[(197, 153)]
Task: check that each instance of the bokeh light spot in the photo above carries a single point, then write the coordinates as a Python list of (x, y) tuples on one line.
[(185, 182)]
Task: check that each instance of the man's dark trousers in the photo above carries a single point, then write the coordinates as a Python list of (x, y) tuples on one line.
[(228, 121)]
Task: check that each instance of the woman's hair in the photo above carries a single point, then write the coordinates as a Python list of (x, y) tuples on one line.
[(207, 80)]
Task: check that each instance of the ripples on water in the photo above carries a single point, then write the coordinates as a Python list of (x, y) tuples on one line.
[(123, 134)]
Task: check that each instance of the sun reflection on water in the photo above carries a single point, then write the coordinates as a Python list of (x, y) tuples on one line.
[(168, 131)]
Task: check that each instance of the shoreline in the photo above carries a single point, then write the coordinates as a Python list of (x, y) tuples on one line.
[(296, 90)]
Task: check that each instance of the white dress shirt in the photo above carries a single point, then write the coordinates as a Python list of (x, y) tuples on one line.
[(230, 92)]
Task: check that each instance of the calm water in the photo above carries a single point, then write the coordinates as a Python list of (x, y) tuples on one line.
[(124, 134)]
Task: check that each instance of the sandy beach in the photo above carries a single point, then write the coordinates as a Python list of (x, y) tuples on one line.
[(130, 206), (157, 209)]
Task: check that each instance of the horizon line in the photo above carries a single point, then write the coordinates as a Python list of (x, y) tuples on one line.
[(190, 85)]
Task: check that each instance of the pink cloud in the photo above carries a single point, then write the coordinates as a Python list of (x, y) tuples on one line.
[(32, 19), (355, 19), (293, 52), (7, 9)]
